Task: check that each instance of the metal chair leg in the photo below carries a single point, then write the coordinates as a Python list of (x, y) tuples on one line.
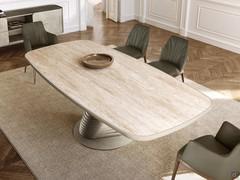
[(177, 163), (182, 77), (145, 59), (34, 76), (25, 69)]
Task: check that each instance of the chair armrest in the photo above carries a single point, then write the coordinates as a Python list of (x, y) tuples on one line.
[(232, 163), (234, 156), (52, 38), (202, 159), (210, 164), (27, 45)]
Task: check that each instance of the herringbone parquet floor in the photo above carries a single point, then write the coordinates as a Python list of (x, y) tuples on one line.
[(208, 65)]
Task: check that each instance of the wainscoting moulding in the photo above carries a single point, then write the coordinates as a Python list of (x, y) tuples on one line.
[(225, 40), (222, 40)]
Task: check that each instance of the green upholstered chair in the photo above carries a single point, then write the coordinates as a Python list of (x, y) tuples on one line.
[(173, 57), (35, 36), (216, 158), (137, 42)]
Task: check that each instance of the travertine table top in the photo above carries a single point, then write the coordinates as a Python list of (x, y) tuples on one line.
[(137, 100)]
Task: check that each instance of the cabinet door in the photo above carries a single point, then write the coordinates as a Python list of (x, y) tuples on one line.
[(3, 25), (52, 20), (4, 39)]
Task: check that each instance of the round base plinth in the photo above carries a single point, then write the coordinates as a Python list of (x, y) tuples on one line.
[(101, 143)]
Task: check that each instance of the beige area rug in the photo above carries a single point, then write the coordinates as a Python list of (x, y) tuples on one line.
[(38, 121)]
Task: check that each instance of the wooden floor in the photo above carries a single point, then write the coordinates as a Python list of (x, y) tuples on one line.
[(208, 65)]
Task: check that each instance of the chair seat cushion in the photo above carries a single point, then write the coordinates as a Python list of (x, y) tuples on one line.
[(211, 144), (131, 51), (166, 67)]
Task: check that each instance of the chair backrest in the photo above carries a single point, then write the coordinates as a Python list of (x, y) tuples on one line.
[(175, 52), (228, 135), (139, 38), (35, 33)]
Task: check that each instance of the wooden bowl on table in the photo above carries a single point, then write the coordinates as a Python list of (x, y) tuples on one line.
[(97, 61)]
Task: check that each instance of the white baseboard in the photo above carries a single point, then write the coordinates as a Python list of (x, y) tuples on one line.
[(213, 41), (69, 29), (127, 18), (140, 19), (162, 25)]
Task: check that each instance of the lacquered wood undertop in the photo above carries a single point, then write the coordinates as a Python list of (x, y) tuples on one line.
[(130, 96)]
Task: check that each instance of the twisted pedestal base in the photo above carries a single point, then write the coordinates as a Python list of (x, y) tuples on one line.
[(95, 135)]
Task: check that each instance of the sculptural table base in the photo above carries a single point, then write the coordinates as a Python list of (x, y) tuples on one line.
[(95, 135)]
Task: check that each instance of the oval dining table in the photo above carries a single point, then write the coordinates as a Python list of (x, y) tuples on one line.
[(126, 101)]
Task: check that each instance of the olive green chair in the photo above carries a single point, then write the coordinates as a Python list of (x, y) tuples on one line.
[(137, 42), (35, 36), (216, 158), (173, 57)]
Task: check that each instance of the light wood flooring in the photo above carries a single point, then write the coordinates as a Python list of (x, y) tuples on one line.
[(208, 65)]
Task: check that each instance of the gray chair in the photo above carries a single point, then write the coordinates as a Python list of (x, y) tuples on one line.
[(216, 158), (35, 36), (173, 57), (137, 42)]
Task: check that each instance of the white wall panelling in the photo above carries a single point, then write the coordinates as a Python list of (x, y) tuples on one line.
[(74, 11), (113, 10), (140, 10), (213, 21), (165, 14), (127, 10), (216, 22), (226, 27), (104, 5), (185, 14)]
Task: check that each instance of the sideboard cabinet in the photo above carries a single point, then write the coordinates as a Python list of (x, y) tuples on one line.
[(11, 24)]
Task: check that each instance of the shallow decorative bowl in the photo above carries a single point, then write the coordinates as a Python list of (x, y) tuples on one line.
[(97, 61)]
